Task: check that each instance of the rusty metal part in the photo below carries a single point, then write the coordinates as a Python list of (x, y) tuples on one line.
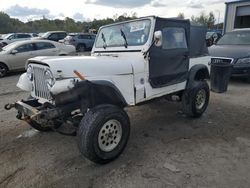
[(79, 75)]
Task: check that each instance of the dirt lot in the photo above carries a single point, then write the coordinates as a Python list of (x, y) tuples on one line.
[(165, 149)]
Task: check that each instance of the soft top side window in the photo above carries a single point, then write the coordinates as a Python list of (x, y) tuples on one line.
[(173, 38)]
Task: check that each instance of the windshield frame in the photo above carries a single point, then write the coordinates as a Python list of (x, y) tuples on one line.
[(99, 35), (233, 33)]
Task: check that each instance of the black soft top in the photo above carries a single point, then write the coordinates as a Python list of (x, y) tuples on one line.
[(198, 45), (196, 35)]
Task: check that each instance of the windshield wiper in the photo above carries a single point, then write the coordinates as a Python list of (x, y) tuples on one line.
[(125, 39), (104, 41)]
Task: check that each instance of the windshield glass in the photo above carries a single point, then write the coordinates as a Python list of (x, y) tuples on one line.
[(9, 46), (235, 38), (132, 33), (5, 36), (45, 35)]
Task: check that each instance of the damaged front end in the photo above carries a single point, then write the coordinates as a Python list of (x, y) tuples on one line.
[(61, 108), (52, 101), (56, 101)]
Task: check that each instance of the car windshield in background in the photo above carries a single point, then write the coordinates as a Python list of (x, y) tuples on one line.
[(130, 33), (9, 47), (209, 34), (235, 38), (6, 36), (3, 36), (45, 35)]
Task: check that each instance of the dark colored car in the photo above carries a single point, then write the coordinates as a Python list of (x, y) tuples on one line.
[(212, 37), (54, 35), (234, 47), (82, 41)]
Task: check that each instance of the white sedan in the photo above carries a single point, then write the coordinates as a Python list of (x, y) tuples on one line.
[(15, 55)]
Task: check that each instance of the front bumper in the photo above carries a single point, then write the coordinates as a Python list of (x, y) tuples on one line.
[(25, 110), (31, 109)]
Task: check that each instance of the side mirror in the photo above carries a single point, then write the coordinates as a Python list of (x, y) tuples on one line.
[(13, 52), (158, 38)]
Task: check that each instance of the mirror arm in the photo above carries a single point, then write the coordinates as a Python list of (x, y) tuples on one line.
[(146, 52)]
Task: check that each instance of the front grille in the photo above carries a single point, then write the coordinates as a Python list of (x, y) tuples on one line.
[(221, 60), (40, 86)]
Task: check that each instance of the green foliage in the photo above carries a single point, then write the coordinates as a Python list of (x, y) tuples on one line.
[(11, 25), (203, 19)]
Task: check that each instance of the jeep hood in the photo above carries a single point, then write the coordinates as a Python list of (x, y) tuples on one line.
[(88, 66)]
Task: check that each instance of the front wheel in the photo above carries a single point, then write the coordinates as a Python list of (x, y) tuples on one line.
[(3, 70), (103, 133), (195, 100)]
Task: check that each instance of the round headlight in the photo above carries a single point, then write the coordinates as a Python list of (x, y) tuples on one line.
[(49, 79), (30, 73)]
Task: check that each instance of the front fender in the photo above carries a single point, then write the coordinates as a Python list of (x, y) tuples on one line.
[(91, 93)]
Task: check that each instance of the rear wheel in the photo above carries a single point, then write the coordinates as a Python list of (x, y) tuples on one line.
[(3, 70), (195, 100), (103, 133), (81, 48)]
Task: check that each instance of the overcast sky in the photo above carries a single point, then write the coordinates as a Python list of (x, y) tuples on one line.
[(89, 9)]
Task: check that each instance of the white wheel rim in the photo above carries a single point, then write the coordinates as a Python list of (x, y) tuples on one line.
[(200, 99), (110, 135)]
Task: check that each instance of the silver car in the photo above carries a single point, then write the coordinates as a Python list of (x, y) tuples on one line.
[(13, 37), (82, 41), (15, 55)]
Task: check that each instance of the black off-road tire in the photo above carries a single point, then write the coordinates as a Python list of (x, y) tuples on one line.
[(3, 70), (81, 48), (191, 99), (90, 128)]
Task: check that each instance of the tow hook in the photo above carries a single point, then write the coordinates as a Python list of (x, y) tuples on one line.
[(9, 106)]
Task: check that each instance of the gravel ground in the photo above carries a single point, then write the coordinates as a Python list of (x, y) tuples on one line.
[(165, 149)]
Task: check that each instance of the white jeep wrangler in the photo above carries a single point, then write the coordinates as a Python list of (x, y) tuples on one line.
[(131, 62)]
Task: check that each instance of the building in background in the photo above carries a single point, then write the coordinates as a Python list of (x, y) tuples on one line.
[(237, 15)]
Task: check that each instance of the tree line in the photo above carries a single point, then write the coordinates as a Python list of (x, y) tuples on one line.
[(9, 25), (204, 19)]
